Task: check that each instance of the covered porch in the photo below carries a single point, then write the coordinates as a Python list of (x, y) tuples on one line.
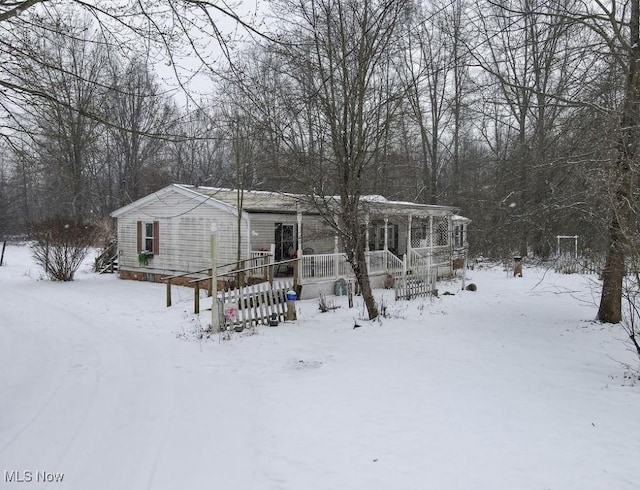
[(400, 238)]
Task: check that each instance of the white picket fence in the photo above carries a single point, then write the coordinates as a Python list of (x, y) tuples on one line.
[(410, 287), (254, 305), (417, 278)]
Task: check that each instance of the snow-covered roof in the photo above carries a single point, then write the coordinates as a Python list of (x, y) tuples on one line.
[(268, 201), (251, 200), (457, 217)]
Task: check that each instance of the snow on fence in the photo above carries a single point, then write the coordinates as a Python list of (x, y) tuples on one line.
[(253, 305)]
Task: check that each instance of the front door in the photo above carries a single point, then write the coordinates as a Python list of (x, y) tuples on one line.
[(285, 241), (378, 238)]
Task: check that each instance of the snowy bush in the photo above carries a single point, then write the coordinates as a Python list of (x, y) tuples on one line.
[(59, 247)]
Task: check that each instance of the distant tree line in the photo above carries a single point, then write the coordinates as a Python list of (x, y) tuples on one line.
[(523, 114)]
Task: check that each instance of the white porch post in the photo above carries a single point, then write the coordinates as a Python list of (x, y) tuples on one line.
[(430, 254), (336, 258), (366, 232), (386, 234), (248, 243), (431, 234), (366, 241), (299, 252), (299, 216), (409, 237), (404, 272)]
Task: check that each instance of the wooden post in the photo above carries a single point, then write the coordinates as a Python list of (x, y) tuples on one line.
[(240, 275), (210, 290), (168, 292), (290, 313), (464, 272), (215, 319), (272, 259), (196, 298), (296, 268), (265, 268), (4, 244)]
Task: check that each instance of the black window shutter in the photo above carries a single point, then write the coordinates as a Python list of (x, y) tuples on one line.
[(156, 237), (139, 236)]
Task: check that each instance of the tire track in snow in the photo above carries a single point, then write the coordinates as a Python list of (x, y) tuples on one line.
[(40, 425), (85, 417)]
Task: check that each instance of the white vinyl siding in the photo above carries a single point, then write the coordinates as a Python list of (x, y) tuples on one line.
[(184, 234), (315, 232)]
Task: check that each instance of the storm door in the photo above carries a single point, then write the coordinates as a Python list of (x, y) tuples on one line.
[(285, 241)]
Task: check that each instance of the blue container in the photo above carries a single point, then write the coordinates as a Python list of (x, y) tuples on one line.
[(291, 296)]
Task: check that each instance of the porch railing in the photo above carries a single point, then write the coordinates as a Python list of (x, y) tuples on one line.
[(425, 258), (332, 266), (259, 261)]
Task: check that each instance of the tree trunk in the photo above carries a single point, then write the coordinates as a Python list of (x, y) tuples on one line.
[(610, 310), (359, 266), (620, 229)]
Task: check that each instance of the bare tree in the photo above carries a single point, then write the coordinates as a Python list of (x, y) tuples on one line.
[(337, 57), (62, 135), (136, 110), (535, 62), (623, 38), (200, 157), (431, 67), (127, 30)]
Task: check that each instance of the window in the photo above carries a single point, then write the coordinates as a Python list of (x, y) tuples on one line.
[(458, 236), (149, 237)]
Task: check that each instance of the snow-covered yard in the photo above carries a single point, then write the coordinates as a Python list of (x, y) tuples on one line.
[(510, 387)]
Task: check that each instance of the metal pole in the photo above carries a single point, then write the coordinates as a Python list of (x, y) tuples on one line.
[(215, 319)]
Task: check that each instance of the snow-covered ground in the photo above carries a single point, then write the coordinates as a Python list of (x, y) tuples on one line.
[(510, 387)]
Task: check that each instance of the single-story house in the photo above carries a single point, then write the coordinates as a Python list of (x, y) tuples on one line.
[(169, 232)]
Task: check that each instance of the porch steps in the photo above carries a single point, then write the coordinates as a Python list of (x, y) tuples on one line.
[(107, 261), (110, 266)]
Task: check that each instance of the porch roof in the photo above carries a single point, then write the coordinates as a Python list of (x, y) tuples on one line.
[(283, 202), (381, 206)]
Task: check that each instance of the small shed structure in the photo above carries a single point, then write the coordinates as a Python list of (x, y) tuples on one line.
[(168, 233)]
